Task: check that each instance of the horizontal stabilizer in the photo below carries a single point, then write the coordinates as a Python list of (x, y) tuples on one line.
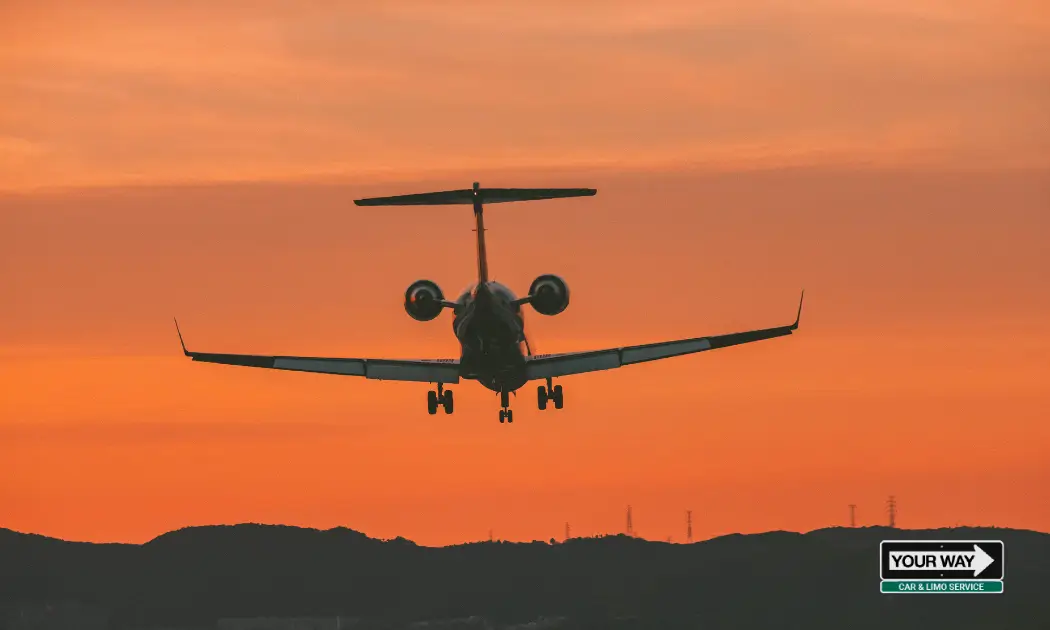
[(482, 195)]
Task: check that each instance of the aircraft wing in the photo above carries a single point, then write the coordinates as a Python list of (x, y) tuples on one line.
[(418, 370), (551, 365)]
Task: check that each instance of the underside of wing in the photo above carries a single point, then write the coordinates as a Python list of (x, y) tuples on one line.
[(552, 365), (416, 370)]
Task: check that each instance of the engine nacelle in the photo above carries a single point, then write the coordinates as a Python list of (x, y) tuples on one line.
[(550, 294), (423, 300)]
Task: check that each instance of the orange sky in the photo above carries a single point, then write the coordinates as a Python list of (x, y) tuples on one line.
[(888, 157)]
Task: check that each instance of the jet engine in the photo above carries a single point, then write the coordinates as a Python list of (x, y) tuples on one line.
[(423, 300), (549, 294)]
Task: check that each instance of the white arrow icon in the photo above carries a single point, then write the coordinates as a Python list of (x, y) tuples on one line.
[(981, 560), (977, 560)]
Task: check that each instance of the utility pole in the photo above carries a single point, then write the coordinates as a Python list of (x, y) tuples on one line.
[(630, 524), (490, 535), (852, 515), (689, 526), (567, 530), (891, 506)]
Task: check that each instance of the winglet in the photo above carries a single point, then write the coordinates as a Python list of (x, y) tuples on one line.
[(799, 316), (184, 350)]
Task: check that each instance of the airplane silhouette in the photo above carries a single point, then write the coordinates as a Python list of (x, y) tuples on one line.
[(489, 325)]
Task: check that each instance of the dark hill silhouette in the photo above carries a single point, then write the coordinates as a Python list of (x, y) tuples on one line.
[(193, 577)]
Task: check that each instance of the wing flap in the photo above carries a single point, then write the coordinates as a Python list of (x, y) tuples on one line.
[(347, 367), (422, 371), (550, 366), (652, 352)]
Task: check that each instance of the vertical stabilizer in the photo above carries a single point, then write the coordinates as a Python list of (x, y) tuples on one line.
[(479, 220)]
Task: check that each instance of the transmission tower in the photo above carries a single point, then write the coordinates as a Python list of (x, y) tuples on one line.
[(891, 507), (689, 526), (852, 515), (630, 523)]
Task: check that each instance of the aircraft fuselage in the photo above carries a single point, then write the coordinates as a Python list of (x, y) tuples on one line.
[(490, 328)]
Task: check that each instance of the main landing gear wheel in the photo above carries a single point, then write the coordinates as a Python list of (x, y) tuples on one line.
[(440, 397), (543, 394)]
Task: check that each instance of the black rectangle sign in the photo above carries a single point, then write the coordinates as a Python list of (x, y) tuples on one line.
[(937, 559)]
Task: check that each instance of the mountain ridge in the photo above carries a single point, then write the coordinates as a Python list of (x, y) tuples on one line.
[(195, 576), (343, 528)]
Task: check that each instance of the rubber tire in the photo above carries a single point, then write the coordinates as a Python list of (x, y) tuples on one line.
[(432, 402), (502, 416), (541, 397), (510, 415), (447, 403), (558, 397)]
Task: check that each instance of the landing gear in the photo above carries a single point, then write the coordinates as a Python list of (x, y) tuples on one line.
[(505, 414), (440, 397), (543, 394)]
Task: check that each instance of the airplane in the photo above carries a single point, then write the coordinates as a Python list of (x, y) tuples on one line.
[(489, 325)]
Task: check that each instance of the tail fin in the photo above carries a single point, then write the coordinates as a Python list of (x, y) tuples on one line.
[(477, 196), (479, 227)]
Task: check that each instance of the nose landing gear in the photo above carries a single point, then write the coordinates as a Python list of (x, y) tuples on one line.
[(440, 397), (549, 393), (505, 414)]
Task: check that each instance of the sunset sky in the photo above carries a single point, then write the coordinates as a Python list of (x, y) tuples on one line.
[(200, 159)]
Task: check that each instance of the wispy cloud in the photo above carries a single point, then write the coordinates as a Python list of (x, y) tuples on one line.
[(161, 92)]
